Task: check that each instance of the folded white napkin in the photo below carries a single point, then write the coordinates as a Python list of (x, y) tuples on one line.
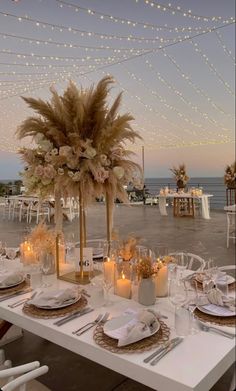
[(221, 277), (10, 278), (55, 298), (216, 297), (140, 327)]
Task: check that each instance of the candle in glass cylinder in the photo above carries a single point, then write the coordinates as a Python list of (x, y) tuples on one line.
[(27, 253), (123, 287), (161, 280), (109, 270)]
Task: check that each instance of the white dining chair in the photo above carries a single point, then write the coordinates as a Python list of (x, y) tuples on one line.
[(74, 208), (195, 262), (24, 210), (21, 378), (231, 233), (38, 209)]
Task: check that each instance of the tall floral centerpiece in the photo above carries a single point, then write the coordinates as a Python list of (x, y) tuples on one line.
[(79, 150), (230, 176), (180, 176)]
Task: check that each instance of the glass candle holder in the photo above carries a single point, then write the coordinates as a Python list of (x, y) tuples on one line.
[(123, 274)]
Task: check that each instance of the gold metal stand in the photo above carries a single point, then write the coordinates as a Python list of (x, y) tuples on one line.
[(76, 277), (109, 216)]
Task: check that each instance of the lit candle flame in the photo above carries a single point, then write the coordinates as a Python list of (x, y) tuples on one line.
[(123, 276)]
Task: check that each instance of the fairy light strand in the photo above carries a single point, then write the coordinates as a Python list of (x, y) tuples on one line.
[(72, 45), (61, 28), (211, 66), (226, 50), (128, 22), (185, 13), (189, 80), (189, 121), (179, 94)]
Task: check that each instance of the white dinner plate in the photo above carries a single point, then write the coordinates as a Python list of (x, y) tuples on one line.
[(55, 307), (113, 324), (206, 311), (12, 285)]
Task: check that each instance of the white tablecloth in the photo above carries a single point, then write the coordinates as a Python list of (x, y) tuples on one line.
[(204, 199)]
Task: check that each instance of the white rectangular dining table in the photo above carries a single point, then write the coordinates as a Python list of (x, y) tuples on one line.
[(204, 199), (194, 365)]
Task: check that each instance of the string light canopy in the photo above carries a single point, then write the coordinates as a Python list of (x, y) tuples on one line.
[(175, 65)]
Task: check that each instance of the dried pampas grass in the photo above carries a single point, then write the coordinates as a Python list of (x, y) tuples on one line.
[(80, 144)]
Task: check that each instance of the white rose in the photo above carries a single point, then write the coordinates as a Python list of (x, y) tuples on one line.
[(90, 152), (60, 171), (45, 145), (103, 159), (54, 151), (119, 172), (65, 151), (48, 157), (70, 174), (38, 138)]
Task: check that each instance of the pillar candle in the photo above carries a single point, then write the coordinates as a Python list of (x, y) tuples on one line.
[(27, 253), (123, 287), (109, 270), (162, 280)]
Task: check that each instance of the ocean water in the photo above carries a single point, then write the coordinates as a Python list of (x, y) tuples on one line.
[(214, 186)]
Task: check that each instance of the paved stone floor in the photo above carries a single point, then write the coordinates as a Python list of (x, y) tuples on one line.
[(70, 372)]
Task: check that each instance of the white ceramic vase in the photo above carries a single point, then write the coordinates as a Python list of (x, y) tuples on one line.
[(147, 291)]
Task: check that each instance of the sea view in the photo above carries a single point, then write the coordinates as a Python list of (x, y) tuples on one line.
[(214, 186)]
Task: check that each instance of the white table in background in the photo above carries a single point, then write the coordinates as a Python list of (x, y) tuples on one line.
[(230, 208), (195, 365), (204, 199)]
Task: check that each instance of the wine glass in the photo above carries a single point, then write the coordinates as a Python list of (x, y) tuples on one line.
[(178, 296), (212, 270), (160, 250), (177, 292), (46, 267), (182, 262), (193, 300), (110, 256), (11, 252)]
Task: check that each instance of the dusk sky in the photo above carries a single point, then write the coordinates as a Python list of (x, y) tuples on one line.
[(174, 61)]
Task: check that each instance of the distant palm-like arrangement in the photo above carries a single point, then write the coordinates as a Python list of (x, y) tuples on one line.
[(180, 175), (80, 144), (230, 175)]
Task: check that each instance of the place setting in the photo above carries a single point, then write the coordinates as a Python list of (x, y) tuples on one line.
[(13, 283), (55, 303), (131, 332), (217, 308)]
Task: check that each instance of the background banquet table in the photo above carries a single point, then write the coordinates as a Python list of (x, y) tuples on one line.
[(204, 200), (195, 365)]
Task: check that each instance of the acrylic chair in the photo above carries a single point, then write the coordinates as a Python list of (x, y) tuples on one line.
[(231, 233), (25, 376), (195, 262)]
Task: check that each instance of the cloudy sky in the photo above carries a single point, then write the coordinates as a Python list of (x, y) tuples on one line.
[(174, 62)]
